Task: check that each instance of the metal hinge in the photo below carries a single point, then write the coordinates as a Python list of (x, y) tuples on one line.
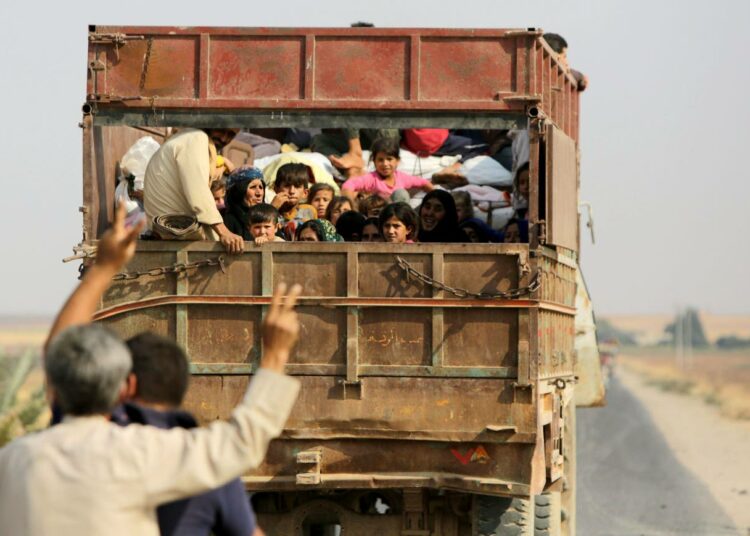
[(541, 226)]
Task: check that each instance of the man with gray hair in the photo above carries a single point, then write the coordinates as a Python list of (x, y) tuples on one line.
[(90, 476)]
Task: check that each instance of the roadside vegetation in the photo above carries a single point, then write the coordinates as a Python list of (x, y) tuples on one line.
[(23, 407), (721, 378)]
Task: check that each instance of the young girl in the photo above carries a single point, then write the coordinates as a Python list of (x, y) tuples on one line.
[(337, 207), (398, 223), (371, 231), (320, 196), (438, 220), (386, 179)]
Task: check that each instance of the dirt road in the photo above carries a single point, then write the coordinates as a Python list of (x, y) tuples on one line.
[(630, 480)]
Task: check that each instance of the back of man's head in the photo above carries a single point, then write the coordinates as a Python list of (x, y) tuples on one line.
[(86, 367), (161, 369), (556, 42)]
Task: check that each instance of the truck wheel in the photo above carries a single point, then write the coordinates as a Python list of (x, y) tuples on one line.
[(502, 516), (547, 514), (568, 499)]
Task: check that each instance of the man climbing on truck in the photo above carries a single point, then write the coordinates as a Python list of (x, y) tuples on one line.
[(177, 189)]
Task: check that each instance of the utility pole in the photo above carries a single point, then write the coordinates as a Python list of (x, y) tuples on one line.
[(689, 338), (679, 339)]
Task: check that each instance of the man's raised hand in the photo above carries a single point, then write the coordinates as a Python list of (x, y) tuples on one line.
[(117, 245)]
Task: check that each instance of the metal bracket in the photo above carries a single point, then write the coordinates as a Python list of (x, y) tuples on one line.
[(312, 457), (106, 98), (414, 520), (542, 231), (352, 389), (114, 39)]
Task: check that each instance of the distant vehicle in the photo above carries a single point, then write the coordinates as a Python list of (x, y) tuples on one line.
[(438, 380)]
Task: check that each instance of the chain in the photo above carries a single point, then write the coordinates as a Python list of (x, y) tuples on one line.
[(175, 268), (533, 285)]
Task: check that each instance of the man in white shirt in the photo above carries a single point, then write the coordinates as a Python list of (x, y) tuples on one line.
[(178, 181), (90, 476)]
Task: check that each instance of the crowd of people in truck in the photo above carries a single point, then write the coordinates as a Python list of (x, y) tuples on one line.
[(331, 185), (414, 185)]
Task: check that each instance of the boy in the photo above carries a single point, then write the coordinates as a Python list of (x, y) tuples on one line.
[(263, 224), (291, 187), (219, 191)]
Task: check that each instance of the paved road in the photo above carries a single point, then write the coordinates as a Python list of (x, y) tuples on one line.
[(629, 483)]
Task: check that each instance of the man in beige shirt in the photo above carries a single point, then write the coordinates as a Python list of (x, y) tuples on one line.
[(90, 476), (178, 181)]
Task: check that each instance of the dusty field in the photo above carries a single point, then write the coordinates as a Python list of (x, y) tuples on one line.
[(721, 379), (651, 327), (16, 335)]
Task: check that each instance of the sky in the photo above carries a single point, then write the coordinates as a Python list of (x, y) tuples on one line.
[(663, 133)]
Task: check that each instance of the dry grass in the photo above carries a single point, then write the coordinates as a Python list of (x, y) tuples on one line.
[(719, 378), (19, 334), (651, 327)]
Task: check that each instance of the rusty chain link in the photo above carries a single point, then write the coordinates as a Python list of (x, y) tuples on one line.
[(175, 268), (463, 293)]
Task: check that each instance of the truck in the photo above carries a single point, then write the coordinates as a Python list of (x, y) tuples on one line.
[(439, 381)]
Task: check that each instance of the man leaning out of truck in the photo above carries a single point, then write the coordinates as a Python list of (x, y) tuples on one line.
[(89, 476), (178, 201)]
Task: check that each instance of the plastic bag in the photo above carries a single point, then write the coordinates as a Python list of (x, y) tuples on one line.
[(136, 159), (485, 170)]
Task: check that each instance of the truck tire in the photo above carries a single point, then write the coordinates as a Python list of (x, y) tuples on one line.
[(547, 514), (502, 516), (568, 495)]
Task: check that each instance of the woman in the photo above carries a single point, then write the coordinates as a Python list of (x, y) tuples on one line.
[(245, 188), (438, 219), (317, 231)]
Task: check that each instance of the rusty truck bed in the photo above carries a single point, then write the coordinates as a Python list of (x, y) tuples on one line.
[(403, 384)]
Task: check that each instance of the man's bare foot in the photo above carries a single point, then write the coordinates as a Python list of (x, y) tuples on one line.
[(347, 161), (450, 176), (449, 180)]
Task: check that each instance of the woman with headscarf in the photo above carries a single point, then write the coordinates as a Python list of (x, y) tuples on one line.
[(317, 231), (438, 219), (245, 188)]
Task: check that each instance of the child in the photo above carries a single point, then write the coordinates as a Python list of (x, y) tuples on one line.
[(371, 206), (371, 231), (337, 207), (219, 191), (398, 223), (349, 226), (320, 196), (464, 205), (386, 179), (520, 195), (263, 224), (291, 187), (317, 231), (516, 231)]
